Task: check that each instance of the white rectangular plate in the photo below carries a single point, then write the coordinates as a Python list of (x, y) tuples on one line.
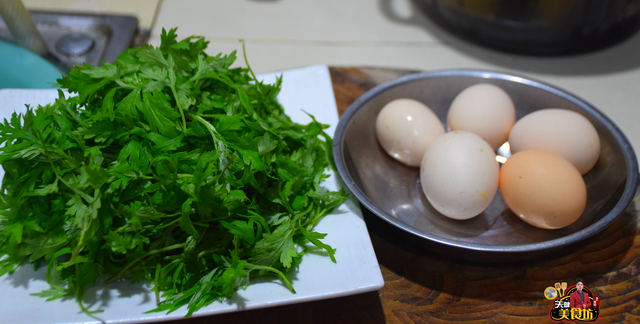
[(356, 271)]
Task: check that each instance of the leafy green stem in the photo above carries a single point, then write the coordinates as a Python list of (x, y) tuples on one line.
[(217, 116), (175, 95), (156, 283), (80, 293), (168, 224), (225, 167), (208, 126), (152, 252), (216, 138), (244, 54), (278, 272)]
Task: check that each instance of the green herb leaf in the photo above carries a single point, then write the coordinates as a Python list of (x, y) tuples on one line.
[(168, 166)]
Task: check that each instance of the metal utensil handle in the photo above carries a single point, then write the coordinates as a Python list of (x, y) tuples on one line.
[(22, 27)]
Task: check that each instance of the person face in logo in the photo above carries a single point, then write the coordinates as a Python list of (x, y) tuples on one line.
[(580, 298), (579, 286)]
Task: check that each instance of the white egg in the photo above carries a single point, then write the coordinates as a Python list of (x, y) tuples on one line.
[(485, 110), (405, 128), (459, 174), (560, 131)]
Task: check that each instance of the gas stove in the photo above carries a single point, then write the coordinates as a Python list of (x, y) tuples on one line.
[(75, 39)]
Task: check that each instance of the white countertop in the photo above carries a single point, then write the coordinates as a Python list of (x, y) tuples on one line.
[(285, 34)]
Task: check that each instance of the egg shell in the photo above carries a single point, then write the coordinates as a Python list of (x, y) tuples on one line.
[(459, 174), (543, 189), (559, 131), (485, 110), (405, 128)]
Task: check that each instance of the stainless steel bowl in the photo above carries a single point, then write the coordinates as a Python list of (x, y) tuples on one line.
[(392, 190)]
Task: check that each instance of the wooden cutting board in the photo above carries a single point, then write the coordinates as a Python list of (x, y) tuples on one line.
[(422, 286)]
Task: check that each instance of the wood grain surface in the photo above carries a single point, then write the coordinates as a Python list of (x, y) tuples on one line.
[(422, 286)]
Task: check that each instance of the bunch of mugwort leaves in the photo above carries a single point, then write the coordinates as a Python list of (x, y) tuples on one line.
[(167, 166)]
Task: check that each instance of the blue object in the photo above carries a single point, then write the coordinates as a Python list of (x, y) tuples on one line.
[(20, 68)]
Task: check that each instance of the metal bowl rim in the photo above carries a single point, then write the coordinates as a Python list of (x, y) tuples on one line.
[(608, 219)]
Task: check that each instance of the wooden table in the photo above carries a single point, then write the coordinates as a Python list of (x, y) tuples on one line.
[(424, 287)]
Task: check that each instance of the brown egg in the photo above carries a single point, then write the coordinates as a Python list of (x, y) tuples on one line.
[(543, 189)]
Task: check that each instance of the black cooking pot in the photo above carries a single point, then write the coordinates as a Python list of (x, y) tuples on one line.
[(537, 27)]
